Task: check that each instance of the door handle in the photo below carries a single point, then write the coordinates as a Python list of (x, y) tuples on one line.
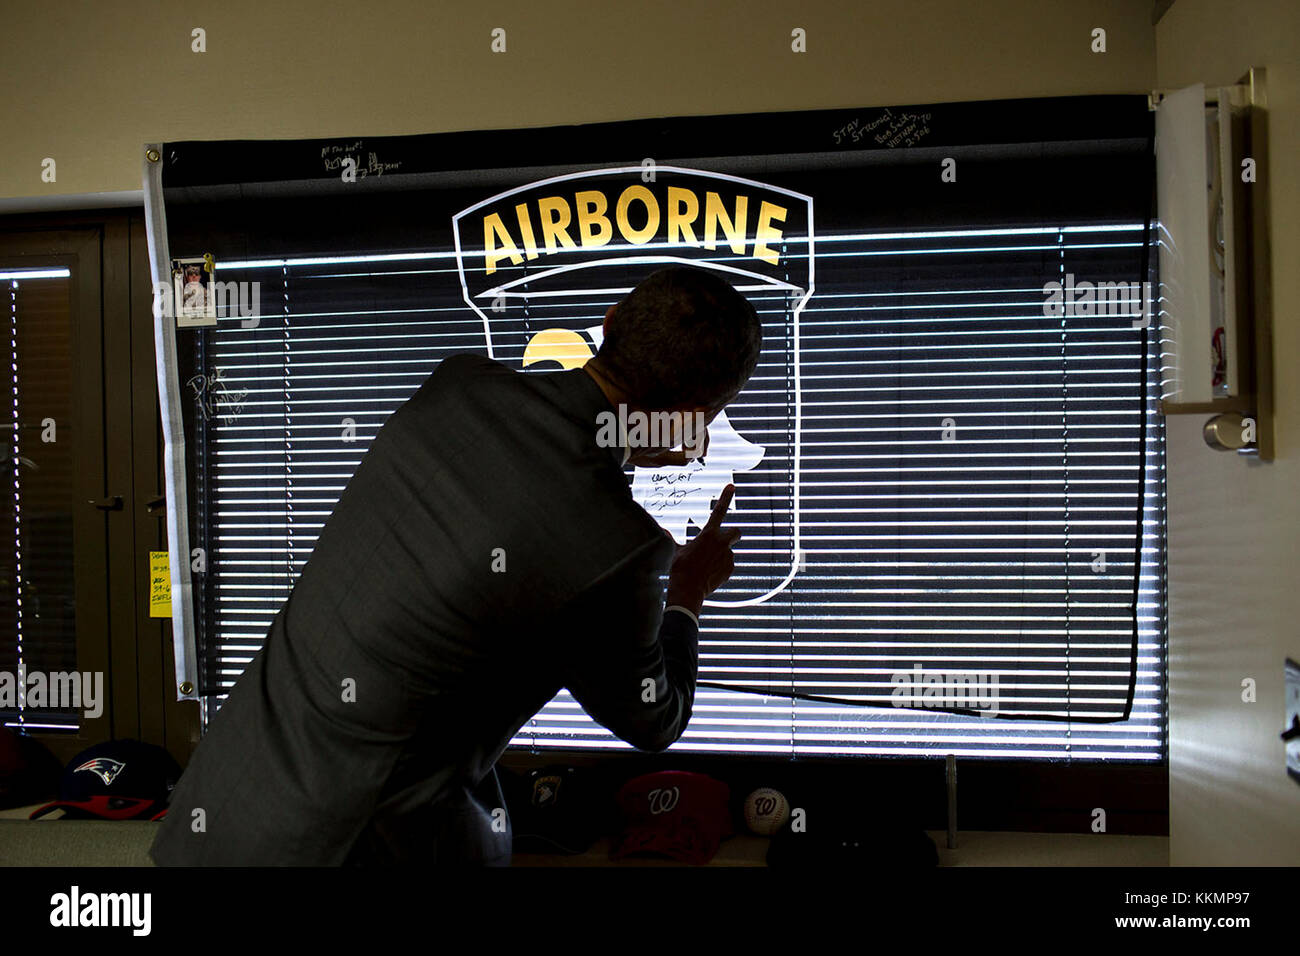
[(1292, 732), (108, 504)]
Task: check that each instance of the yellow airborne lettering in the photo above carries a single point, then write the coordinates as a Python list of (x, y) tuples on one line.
[(555, 222), (715, 212), (493, 228), (591, 212), (589, 215), (765, 233), (526, 229), (679, 222), (638, 237)]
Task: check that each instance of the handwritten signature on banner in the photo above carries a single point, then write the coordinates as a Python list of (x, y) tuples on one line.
[(213, 393), (668, 490), (334, 156), (677, 496), (889, 129)]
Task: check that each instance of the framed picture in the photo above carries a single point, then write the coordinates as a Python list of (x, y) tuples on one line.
[(192, 293)]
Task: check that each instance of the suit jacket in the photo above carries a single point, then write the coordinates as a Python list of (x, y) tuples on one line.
[(485, 554)]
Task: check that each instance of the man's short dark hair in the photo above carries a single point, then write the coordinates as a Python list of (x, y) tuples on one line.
[(683, 337)]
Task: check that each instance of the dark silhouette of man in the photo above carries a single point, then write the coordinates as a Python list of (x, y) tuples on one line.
[(486, 553)]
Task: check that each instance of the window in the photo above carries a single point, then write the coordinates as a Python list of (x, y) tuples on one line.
[(38, 607), (971, 465), (80, 502)]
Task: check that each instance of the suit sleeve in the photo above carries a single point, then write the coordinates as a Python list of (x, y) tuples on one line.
[(630, 663)]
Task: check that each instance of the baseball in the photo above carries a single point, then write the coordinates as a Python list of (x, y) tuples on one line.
[(766, 811)]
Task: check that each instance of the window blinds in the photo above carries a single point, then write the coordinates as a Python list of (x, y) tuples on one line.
[(37, 606)]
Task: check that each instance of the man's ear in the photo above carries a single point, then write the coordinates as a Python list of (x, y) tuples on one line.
[(605, 325)]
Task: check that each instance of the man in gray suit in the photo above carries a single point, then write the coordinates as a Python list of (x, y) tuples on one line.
[(486, 553)]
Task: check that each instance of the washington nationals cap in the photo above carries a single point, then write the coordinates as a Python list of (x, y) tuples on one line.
[(116, 780), (675, 813)]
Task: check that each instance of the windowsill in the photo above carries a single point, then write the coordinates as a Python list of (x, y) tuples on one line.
[(975, 848)]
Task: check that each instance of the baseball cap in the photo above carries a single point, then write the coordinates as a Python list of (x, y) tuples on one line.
[(28, 771), (679, 814), (854, 836), (116, 780), (553, 809)]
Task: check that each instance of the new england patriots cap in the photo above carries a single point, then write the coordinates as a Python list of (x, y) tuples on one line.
[(116, 780)]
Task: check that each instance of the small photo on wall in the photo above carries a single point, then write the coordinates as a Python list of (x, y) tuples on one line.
[(196, 304)]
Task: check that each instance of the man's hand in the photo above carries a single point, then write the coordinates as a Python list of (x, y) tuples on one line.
[(658, 457), (704, 564)]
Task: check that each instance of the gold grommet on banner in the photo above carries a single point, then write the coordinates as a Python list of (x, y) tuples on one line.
[(152, 155)]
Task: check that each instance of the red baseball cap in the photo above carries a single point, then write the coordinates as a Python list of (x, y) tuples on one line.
[(675, 813)]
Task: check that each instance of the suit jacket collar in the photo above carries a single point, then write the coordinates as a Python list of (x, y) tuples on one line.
[(590, 401)]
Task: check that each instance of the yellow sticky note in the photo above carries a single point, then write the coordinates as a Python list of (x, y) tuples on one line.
[(160, 585)]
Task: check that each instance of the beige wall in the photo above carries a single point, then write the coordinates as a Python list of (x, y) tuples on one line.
[(88, 83), (1234, 552)]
